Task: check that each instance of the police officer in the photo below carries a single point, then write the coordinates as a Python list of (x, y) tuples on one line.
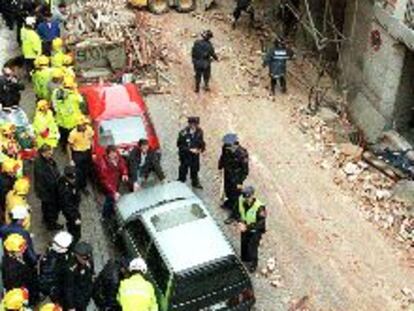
[(252, 225), (10, 88), (243, 6), (78, 278), (276, 59), (202, 54), (234, 161), (69, 201), (190, 145)]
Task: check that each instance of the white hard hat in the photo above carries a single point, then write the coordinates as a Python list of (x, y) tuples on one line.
[(62, 241), (138, 264), (19, 212), (30, 20)]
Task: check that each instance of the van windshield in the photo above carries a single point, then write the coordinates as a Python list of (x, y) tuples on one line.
[(210, 278)]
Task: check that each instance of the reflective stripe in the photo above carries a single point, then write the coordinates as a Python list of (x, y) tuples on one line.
[(250, 216)]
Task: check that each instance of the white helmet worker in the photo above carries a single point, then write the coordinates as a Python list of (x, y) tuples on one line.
[(30, 21), (61, 242), (19, 212), (138, 264)]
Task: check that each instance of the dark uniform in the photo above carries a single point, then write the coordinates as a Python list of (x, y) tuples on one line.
[(190, 139), (202, 54), (46, 175), (276, 59), (252, 215), (10, 89), (234, 160), (78, 279), (69, 200), (6, 184), (11, 10), (52, 266), (243, 6)]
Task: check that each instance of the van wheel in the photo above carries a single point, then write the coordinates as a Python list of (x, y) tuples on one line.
[(158, 6), (184, 6)]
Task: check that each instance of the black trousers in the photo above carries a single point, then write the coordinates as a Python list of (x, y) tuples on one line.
[(202, 73), (232, 195), (83, 162), (190, 162), (282, 83), (74, 229), (64, 134), (238, 11), (47, 48), (50, 212), (250, 247)]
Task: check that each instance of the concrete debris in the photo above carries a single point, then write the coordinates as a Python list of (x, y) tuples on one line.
[(351, 168), (404, 191)]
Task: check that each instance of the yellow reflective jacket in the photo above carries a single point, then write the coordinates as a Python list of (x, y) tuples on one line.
[(67, 107), (46, 129), (40, 80), (56, 60), (31, 43), (137, 294)]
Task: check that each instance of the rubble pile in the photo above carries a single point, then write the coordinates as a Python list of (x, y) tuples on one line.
[(376, 191)]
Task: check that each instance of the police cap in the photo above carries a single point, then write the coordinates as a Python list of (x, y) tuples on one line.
[(193, 120), (230, 139)]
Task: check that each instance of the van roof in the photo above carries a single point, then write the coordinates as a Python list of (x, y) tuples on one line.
[(182, 227)]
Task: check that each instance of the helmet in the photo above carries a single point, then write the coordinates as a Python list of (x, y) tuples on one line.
[(51, 307), (248, 191), (57, 73), (19, 212), (67, 59), (42, 60), (15, 243), (83, 120), (57, 44), (138, 264), (10, 165), (16, 298), (207, 34), (69, 82), (22, 186), (8, 128), (30, 21), (83, 249), (193, 120), (230, 139), (42, 104), (62, 241)]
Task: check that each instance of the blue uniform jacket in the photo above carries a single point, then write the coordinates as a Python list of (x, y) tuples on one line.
[(49, 31)]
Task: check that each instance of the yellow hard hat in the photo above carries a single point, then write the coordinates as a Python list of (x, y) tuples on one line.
[(67, 59), (8, 128), (57, 73), (69, 82), (10, 165), (42, 104), (22, 186), (15, 243), (51, 307), (83, 119), (42, 60), (57, 44), (16, 298)]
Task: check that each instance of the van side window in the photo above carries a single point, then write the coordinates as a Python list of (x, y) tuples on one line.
[(140, 235), (158, 268)]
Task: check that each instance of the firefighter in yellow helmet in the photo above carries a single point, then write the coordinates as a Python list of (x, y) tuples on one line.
[(31, 42), (41, 77), (68, 66), (16, 299), (10, 146), (18, 197), (66, 103), (58, 53), (51, 307), (45, 126), (8, 174)]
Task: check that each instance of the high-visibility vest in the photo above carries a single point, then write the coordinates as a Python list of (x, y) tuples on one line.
[(31, 43), (56, 60), (46, 122), (250, 216), (137, 294), (40, 79), (67, 109)]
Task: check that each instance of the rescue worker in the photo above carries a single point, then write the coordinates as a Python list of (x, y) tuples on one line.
[(234, 161), (276, 59), (52, 267), (68, 69), (51, 307), (69, 201), (243, 6), (202, 53), (78, 278), (16, 299), (58, 53), (18, 215), (9, 144), (252, 225), (79, 151), (18, 197), (48, 30), (56, 81), (44, 125), (46, 176), (7, 179), (141, 162), (135, 292), (107, 283), (41, 77), (112, 170), (10, 88), (15, 271), (190, 145), (31, 43), (66, 103)]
